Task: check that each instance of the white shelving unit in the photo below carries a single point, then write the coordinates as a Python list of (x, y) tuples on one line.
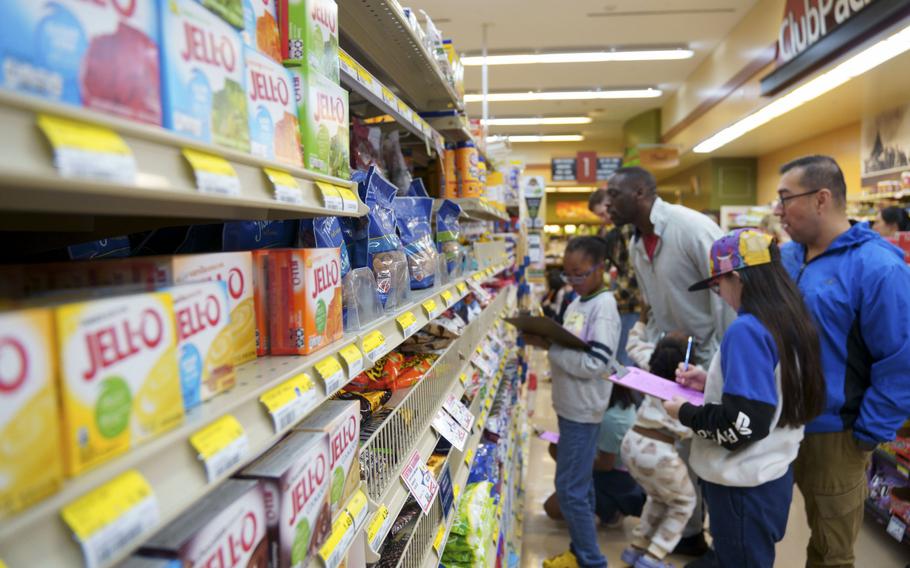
[(170, 464)]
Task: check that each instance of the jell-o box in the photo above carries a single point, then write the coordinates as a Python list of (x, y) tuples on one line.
[(272, 104)]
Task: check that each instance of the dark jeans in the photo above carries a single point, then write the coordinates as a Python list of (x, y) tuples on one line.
[(617, 492), (746, 522)]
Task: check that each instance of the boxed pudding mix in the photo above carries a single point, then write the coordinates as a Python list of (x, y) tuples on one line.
[(295, 478), (260, 27), (274, 130), (309, 31), (322, 109), (118, 373), (31, 459), (339, 419)]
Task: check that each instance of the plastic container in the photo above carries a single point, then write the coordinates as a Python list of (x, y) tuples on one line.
[(450, 189), (467, 170)]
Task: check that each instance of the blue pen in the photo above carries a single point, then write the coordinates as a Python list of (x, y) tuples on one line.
[(688, 354)]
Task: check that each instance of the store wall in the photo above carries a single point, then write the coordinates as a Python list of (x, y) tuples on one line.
[(842, 144), (541, 153)]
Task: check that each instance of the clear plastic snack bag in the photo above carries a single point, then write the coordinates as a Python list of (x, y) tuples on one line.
[(360, 300)]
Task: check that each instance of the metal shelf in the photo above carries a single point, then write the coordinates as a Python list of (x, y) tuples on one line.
[(876, 197), (476, 209), (170, 464), (165, 186), (376, 32), (455, 130)]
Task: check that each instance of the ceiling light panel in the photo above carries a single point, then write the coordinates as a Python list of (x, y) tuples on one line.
[(648, 93), (537, 121), (581, 57), (546, 138)]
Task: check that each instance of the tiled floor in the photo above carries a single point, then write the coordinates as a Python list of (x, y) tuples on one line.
[(544, 538)]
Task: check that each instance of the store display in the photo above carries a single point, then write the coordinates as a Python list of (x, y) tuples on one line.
[(204, 340), (260, 28), (310, 35), (304, 298), (384, 250), (31, 459), (322, 108), (340, 421), (412, 216), (103, 56), (203, 78), (296, 480), (270, 98), (226, 528), (119, 377)]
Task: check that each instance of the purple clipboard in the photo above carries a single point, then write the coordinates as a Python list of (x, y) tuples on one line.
[(644, 382)]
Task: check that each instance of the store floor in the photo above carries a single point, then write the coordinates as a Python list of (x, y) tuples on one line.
[(544, 538)]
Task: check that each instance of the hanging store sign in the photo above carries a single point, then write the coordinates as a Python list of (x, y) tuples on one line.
[(606, 167), (563, 169)]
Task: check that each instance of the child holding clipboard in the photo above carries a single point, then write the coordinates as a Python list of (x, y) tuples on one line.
[(581, 395), (762, 386)]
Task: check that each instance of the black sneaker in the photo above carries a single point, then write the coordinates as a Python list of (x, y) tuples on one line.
[(694, 545), (707, 560)]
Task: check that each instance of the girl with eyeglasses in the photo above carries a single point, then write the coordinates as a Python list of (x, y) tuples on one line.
[(581, 395)]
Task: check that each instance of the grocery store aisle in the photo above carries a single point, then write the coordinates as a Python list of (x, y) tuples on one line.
[(543, 537)]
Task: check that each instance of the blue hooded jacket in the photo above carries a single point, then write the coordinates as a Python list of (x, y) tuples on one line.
[(858, 291)]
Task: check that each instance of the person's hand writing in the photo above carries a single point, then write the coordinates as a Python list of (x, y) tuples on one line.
[(672, 406), (536, 340), (694, 378)]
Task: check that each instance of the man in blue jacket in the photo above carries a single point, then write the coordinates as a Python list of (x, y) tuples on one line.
[(857, 287)]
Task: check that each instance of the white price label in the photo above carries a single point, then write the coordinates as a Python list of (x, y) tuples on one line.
[(448, 298), (358, 508), (420, 482), (287, 190), (486, 366), (408, 323), (349, 202), (331, 199), (450, 429), (221, 445), (353, 359), (379, 527), (84, 150), (113, 517), (336, 546), (290, 401), (374, 345), (214, 174), (459, 411), (331, 372), (896, 528)]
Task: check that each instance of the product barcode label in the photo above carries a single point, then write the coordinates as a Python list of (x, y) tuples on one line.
[(331, 199), (349, 201), (221, 446), (353, 359), (83, 150), (213, 173), (378, 527), (408, 323), (331, 372), (374, 345), (336, 546), (290, 401), (287, 190), (430, 307), (448, 298), (896, 528)]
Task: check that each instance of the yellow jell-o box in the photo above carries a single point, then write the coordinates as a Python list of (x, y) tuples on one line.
[(31, 461), (118, 369), (204, 341)]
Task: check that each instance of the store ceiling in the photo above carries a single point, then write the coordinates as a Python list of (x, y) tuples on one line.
[(546, 25)]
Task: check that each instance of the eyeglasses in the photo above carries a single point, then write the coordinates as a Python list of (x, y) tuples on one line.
[(714, 286), (577, 279), (782, 200)]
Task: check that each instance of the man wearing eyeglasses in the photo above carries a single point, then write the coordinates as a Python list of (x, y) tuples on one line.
[(857, 287)]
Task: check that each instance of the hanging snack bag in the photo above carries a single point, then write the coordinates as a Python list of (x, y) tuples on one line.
[(340, 420), (100, 55), (228, 527), (274, 129), (309, 31), (254, 235), (31, 463), (324, 232), (204, 340), (448, 230), (296, 478), (322, 108), (384, 255), (412, 216), (119, 377), (355, 231), (260, 27), (204, 95)]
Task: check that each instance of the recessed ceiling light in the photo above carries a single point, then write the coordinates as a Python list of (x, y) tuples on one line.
[(581, 57), (546, 138), (855, 66), (576, 189), (537, 121), (648, 93)]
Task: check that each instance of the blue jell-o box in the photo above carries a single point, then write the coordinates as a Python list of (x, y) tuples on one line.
[(260, 27), (101, 54), (274, 130), (204, 93)]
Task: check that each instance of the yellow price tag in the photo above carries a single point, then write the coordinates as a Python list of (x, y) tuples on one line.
[(389, 97), (357, 507), (287, 190), (407, 322), (456, 491), (349, 201), (478, 276), (374, 344), (346, 59), (463, 378), (217, 436), (286, 393), (376, 524), (105, 504), (331, 199), (84, 150), (352, 358), (210, 163), (331, 372), (430, 307), (469, 458), (280, 177), (462, 288), (440, 535), (63, 132), (340, 528), (364, 76), (448, 298)]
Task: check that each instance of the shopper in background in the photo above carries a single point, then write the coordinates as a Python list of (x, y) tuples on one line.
[(649, 451), (891, 220), (581, 395), (668, 251), (616, 493), (857, 287), (762, 386), (624, 285), (770, 224), (559, 296)]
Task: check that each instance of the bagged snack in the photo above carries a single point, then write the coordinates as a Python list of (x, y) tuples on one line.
[(260, 27), (381, 376), (261, 300), (324, 232), (231, 11), (366, 145), (204, 340), (396, 165), (228, 527), (370, 402), (340, 420), (412, 216), (322, 109), (31, 458), (203, 95), (304, 300), (355, 231), (449, 325), (448, 231), (309, 31), (361, 303), (413, 369), (270, 98), (253, 235), (100, 55), (115, 247), (295, 479), (119, 377), (384, 253), (417, 189)]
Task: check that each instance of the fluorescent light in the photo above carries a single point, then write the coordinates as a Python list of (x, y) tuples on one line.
[(853, 67), (531, 121), (565, 95), (581, 57), (577, 189), (547, 138)]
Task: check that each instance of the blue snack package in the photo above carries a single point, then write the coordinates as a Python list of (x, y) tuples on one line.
[(413, 219), (384, 254), (324, 232), (417, 189), (114, 247), (254, 235), (448, 230), (354, 232)]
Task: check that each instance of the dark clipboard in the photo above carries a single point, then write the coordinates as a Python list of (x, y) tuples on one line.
[(546, 327)]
